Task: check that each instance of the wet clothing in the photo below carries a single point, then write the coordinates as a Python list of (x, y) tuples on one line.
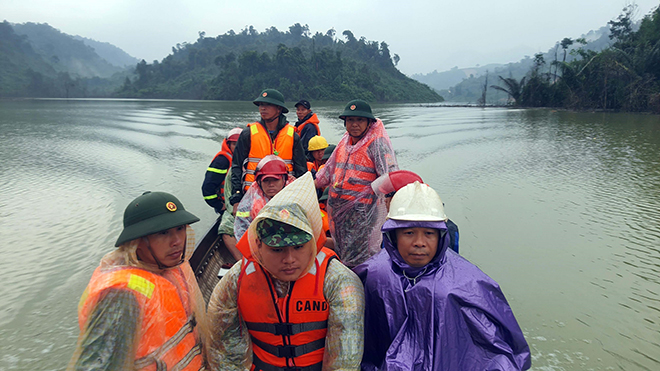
[(130, 311), (447, 315), (242, 151), (262, 145), (231, 347), (351, 201), (307, 128), (227, 222), (214, 179), (231, 344)]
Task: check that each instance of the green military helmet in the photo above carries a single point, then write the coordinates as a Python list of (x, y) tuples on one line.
[(358, 108), (271, 96), (151, 213)]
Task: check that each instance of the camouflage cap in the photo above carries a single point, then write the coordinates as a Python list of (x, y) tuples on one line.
[(278, 234)]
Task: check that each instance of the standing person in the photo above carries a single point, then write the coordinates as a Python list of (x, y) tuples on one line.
[(214, 180), (272, 176), (428, 308), (289, 305), (142, 308), (272, 135), (307, 125), (363, 154)]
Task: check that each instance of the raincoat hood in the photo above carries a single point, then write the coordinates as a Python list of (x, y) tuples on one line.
[(225, 147), (389, 244), (296, 205)]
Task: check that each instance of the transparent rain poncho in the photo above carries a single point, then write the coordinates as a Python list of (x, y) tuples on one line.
[(230, 347), (249, 207), (356, 212), (126, 321)]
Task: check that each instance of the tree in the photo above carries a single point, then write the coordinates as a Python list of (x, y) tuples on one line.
[(513, 88), (565, 43)]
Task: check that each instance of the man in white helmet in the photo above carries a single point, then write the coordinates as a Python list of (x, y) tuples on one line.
[(428, 308)]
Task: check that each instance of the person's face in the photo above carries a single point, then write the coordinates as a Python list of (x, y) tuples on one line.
[(318, 155), (271, 186), (356, 126), (232, 146), (285, 263), (301, 111), (269, 111), (167, 246), (417, 246)]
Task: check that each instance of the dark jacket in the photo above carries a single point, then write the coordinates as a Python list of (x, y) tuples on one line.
[(243, 149), (213, 186), (308, 131)]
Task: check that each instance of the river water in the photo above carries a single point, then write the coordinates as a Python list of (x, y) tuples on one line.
[(561, 208)]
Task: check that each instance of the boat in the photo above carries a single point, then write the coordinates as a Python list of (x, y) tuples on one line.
[(210, 260)]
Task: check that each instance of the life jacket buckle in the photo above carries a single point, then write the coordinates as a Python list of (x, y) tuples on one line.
[(286, 351), (283, 329)]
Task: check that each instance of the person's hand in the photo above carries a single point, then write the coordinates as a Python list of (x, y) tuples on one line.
[(235, 207)]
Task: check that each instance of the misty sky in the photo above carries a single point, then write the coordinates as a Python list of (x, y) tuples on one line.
[(427, 34)]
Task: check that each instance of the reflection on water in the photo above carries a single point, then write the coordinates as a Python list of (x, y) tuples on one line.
[(561, 208)]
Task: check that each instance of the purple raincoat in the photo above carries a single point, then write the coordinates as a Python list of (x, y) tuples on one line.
[(447, 315)]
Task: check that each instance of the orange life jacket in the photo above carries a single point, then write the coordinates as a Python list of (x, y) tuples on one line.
[(261, 145), (288, 331), (167, 338), (226, 153), (324, 220), (353, 175), (312, 120)]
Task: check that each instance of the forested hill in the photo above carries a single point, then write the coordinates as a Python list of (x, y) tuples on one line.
[(236, 66)]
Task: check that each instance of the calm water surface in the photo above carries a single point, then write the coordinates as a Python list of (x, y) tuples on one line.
[(562, 209)]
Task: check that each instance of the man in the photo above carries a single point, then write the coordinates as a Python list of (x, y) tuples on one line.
[(386, 186), (272, 135), (363, 154), (307, 125), (214, 180), (427, 308), (289, 304), (142, 308), (272, 176)]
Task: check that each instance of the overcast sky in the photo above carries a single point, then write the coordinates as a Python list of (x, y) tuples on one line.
[(427, 34)]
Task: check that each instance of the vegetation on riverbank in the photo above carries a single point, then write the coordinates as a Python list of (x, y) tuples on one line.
[(236, 66), (624, 76)]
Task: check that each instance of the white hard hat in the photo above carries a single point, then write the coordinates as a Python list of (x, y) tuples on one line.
[(417, 201)]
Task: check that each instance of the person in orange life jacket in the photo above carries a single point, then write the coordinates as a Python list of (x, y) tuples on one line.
[(142, 308), (307, 125), (388, 184), (363, 154), (214, 180), (272, 176), (289, 304), (271, 135), (316, 152)]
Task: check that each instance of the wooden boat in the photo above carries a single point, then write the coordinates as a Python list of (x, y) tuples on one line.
[(208, 258)]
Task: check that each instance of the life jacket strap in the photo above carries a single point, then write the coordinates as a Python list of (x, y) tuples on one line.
[(260, 365), (156, 355), (290, 351), (287, 329)]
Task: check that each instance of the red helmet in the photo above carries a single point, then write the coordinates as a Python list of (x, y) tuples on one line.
[(389, 183), (271, 166), (233, 134)]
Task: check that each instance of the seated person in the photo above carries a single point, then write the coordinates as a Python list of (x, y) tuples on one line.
[(316, 150), (226, 227), (142, 308), (428, 308), (260, 321), (271, 177), (386, 186)]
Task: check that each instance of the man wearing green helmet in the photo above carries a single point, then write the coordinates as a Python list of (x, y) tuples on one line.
[(362, 155), (271, 135), (142, 307)]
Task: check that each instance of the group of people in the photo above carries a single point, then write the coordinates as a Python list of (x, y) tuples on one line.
[(372, 280)]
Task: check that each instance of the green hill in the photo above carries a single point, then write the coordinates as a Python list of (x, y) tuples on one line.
[(112, 54), (235, 66)]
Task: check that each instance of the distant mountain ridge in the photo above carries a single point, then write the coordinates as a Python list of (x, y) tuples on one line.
[(112, 54), (470, 87)]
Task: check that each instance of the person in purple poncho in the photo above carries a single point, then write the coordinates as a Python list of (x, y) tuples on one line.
[(428, 308)]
